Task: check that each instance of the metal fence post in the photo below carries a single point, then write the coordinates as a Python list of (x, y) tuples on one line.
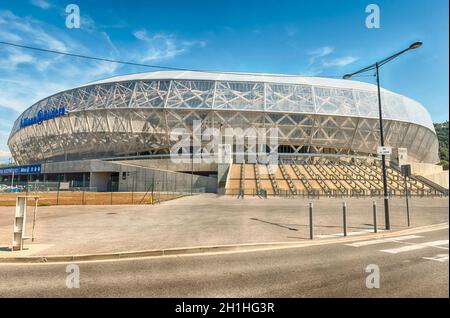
[(132, 187), (375, 228), (407, 201), (34, 217), (344, 217), (311, 224), (57, 194)]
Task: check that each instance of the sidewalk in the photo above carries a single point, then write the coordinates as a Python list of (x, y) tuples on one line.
[(203, 220)]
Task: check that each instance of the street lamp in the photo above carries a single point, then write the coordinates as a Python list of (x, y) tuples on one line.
[(376, 67)]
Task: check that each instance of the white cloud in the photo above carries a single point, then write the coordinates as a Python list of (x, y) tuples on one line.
[(161, 46), (319, 53), (6, 36), (87, 23), (20, 93), (4, 133), (141, 35), (41, 4), (29, 30), (322, 51), (5, 153), (114, 49), (342, 61), (15, 58), (27, 76), (321, 58)]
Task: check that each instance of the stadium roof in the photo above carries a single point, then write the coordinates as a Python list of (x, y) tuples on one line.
[(239, 77), (416, 112), (332, 112)]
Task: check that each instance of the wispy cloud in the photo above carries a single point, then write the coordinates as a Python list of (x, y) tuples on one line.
[(321, 58), (29, 30), (28, 76), (341, 62), (320, 52), (7, 36), (14, 58), (5, 156), (162, 46), (41, 4), (5, 153), (5, 128)]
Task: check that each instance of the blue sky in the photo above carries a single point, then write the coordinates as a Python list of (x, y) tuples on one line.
[(320, 37)]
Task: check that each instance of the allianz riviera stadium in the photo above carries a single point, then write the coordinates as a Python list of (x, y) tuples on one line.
[(132, 117)]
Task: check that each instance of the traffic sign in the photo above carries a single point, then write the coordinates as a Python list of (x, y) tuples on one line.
[(406, 170), (387, 151)]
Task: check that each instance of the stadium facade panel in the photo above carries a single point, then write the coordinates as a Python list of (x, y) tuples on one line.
[(135, 114)]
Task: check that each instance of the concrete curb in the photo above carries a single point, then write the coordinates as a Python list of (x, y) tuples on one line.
[(213, 249)]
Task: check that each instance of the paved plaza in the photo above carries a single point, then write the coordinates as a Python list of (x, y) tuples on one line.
[(204, 220)]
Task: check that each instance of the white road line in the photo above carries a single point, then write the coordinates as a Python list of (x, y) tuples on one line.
[(348, 233), (385, 240), (438, 258), (414, 247)]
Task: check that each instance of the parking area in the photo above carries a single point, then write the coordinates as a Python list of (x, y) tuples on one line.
[(205, 220)]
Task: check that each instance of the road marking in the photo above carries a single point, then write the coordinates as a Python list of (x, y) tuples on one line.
[(348, 234), (439, 258), (384, 240), (414, 247)]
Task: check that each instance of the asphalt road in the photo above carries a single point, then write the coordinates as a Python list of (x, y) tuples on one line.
[(409, 267)]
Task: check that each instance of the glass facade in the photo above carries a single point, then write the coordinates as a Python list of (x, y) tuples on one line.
[(129, 117)]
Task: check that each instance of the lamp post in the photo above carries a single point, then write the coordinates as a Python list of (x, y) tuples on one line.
[(376, 67)]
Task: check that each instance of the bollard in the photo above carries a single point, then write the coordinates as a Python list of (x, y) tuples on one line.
[(311, 225), (407, 203), (375, 228), (34, 217), (344, 217)]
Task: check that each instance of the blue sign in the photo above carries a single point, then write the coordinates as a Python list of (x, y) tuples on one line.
[(17, 170), (42, 116)]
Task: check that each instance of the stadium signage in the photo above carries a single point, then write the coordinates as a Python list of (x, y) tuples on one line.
[(17, 170), (386, 151), (42, 115)]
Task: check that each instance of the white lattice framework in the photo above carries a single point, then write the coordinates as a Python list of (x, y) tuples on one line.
[(135, 114)]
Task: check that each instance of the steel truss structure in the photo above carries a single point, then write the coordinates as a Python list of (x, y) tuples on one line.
[(135, 114)]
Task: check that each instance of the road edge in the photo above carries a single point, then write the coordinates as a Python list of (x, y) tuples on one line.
[(202, 250)]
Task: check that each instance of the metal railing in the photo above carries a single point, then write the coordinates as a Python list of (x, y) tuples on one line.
[(335, 193)]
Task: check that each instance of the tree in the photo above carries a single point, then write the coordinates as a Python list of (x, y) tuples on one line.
[(442, 134)]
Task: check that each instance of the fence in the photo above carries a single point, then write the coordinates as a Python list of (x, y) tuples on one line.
[(46, 186), (136, 185), (334, 193), (94, 198)]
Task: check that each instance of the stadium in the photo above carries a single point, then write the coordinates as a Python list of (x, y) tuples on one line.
[(328, 129)]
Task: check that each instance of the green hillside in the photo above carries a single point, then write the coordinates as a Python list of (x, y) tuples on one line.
[(442, 133)]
